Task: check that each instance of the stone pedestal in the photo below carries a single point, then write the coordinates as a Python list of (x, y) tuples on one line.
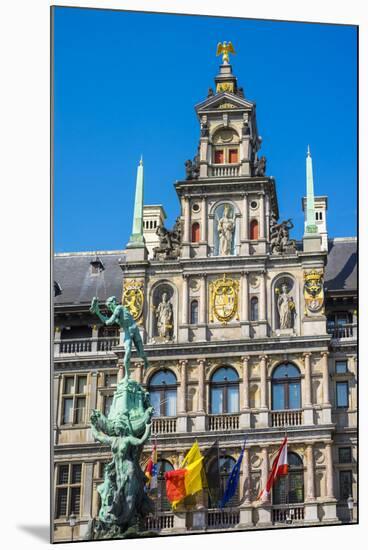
[(284, 332), (246, 517), (311, 512), (262, 419), (308, 417), (201, 333), (312, 242), (199, 519), (136, 254), (326, 415), (245, 329), (200, 423), (180, 523), (244, 419), (182, 424), (329, 509), (264, 516)]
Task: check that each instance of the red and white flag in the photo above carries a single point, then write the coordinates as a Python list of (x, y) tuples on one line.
[(279, 468)]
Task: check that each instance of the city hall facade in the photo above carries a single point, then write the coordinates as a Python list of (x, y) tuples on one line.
[(249, 335)]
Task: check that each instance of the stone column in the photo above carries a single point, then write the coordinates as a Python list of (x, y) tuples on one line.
[(245, 232), (200, 421), (181, 424), (203, 300), (57, 340), (87, 490), (244, 421), (261, 217), (310, 504), (92, 401), (94, 338), (264, 510), (186, 212), (263, 368), (58, 380), (140, 372), (264, 468), (310, 494), (185, 300), (204, 219), (267, 217), (307, 398), (262, 297), (246, 476), (329, 470), (244, 296), (325, 379), (121, 370)]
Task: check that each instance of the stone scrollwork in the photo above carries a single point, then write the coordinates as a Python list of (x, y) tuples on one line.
[(133, 298), (224, 300), (313, 291)]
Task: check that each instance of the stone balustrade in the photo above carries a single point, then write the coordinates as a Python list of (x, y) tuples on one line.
[(224, 170), (164, 425), (344, 331), (223, 422), (280, 419), (86, 345)]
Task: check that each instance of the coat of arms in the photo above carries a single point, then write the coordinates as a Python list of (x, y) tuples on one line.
[(224, 300), (313, 290), (133, 298)]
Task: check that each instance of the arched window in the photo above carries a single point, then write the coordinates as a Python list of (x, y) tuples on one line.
[(286, 387), (194, 312), (289, 489), (163, 504), (220, 470), (254, 230), (195, 232), (225, 391), (254, 309), (162, 390)]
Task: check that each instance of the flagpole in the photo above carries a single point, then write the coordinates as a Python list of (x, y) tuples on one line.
[(287, 484)]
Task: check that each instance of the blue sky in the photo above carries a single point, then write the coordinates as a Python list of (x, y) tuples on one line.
[(126, 84)]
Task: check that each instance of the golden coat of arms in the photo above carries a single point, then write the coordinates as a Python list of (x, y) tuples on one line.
[(313, 290), (133, 298), (224, 300)]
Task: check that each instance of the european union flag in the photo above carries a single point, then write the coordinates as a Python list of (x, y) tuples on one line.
[(232, 482)]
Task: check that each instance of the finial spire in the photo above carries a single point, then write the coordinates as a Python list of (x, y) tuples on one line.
[(136, 238), (310, 226)]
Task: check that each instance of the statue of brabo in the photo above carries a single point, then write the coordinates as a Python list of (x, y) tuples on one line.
[(122, 317)]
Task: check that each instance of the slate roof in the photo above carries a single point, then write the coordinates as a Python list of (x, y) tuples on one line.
[(72, 272), (78, 284), (341, 269)]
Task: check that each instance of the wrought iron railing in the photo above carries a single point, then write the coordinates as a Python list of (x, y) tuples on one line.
[(222, 519), (287, 513)]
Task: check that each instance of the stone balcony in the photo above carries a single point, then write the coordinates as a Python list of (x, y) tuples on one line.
[(82, 346), (224, 170), (344, 332)]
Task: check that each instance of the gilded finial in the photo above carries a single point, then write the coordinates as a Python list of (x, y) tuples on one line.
[(225, 48)]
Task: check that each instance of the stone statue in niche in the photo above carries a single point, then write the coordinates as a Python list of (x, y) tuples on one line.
[(164, 316), (280, 241), (225, 227), (169, 247), (286, 307), (260, 166)]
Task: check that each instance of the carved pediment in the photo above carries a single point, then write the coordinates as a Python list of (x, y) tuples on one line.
[(222, 102)]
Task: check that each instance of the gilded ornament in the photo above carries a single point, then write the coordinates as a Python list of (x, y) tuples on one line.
[(227, 105), (133, 298), (224, 49), (313, 290), (225, 87), (224, 300)]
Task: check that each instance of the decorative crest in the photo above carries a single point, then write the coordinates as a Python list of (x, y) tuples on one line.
[(225, 48), (224, 299)]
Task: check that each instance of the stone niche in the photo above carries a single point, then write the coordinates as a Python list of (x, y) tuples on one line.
[(285, 305), (163, 313)]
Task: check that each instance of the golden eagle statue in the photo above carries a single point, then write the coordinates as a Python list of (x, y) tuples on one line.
[(225, 48)]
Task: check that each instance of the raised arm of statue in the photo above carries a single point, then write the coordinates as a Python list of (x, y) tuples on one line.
[(95, 308), (99, 436), (141, 441), (113, 319)]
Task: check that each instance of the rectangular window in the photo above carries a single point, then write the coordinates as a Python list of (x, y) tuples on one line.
[(342, 394), (68, 489), (217, 404), (233, 156), (345, 455), (107, 404), (346, 484), (233, 400), (74, 399), (278, 397), (219, 156), (294, 395), (341, 367), (110, 380)]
